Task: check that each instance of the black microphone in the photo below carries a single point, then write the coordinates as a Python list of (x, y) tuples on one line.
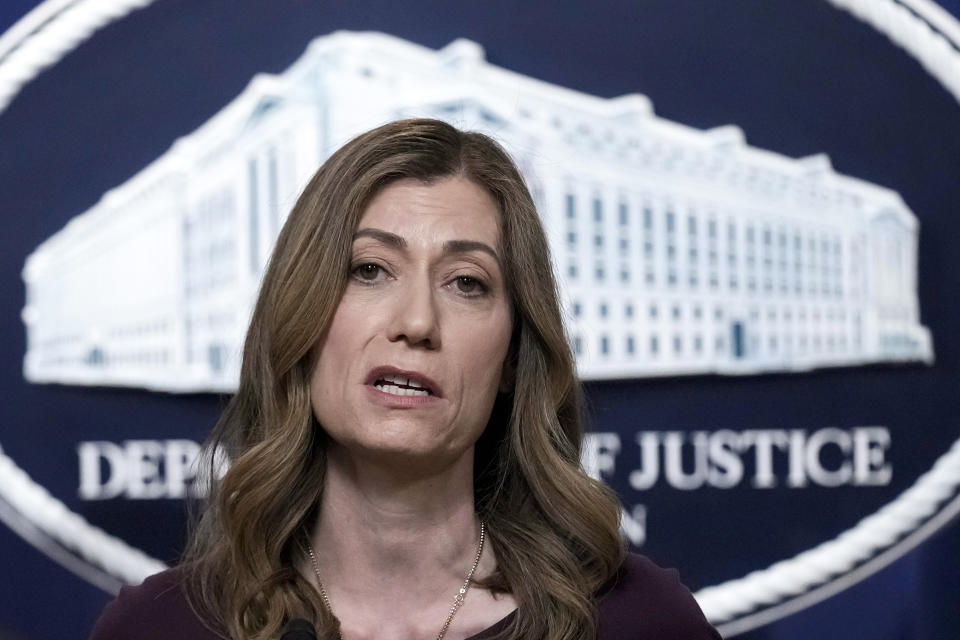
[(298, 629)]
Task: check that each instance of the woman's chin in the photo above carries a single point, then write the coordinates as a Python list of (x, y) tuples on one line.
[(405, 457)]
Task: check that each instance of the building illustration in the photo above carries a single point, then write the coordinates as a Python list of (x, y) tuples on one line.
[(679, 251)]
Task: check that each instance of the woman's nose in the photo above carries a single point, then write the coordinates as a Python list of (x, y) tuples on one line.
[(415, 318)]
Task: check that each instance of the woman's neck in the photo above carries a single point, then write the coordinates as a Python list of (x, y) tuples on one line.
[(393, 548), (382, 524)]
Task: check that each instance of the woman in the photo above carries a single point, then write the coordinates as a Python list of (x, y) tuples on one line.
[(405, 438)]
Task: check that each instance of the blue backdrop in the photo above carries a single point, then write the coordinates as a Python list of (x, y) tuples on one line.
[(799, 78)]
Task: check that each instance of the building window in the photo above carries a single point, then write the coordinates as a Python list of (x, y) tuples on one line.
[(630, 345), (254, 215), (571, 207), (576, 310), (572, 271), (597, 209), (604, 345), (603, 309), (654, 345), (599, 272), (677, 344), (273, 197), (577, 345), (654, 311), (624, 213), (628, 310), (571, 239)]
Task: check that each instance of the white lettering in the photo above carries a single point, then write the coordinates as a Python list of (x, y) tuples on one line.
[(828, 457), (599, 454), (140, 469), (869, 450), (798, 470), (764, 440), (645, 476), (143, 467), (726, 469), (181, 459), (91, 486), (673, 450), (815, 469), (633, 524)]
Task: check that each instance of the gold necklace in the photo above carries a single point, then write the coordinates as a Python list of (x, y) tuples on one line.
[(457, 601)]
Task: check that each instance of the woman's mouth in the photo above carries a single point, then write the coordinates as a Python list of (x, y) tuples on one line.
[(398, 385), (411, 385)]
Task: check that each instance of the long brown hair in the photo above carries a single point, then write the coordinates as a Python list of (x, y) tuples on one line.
[(554, 530)]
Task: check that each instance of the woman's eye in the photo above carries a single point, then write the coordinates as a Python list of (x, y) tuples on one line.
[(470, 286), (368, 271)]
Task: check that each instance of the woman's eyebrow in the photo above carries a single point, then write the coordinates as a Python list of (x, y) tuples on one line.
[(384, 237), (466, 246), (449, 247)]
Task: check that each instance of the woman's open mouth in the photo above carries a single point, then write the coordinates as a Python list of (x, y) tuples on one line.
[(402, 383), (401, 386)]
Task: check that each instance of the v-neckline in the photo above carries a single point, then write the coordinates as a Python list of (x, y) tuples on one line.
[(495, 627)]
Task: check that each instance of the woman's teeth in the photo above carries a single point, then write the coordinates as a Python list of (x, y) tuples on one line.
[(401, 391), (401, 386)]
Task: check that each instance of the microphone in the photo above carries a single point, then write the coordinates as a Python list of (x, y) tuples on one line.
[(298, 629)]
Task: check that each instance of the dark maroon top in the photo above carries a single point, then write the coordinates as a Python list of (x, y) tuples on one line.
[(643, 602)]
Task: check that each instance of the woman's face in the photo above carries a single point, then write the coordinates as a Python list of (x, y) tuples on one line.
[(413, 359)]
